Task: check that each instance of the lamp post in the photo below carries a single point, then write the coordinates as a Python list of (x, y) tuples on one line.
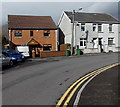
[(73, 38)]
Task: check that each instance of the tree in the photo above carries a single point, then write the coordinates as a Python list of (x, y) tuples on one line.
[(4, 41)]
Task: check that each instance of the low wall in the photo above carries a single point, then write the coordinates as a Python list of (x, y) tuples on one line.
[(91, 50), (44, 54), (63, 47)]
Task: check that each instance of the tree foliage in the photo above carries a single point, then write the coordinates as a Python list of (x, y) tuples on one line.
[(4, 41)]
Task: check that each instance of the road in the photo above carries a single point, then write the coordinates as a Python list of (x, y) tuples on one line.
[(45, 83), (103, 89)]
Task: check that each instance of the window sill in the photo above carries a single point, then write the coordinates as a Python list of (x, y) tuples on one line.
[(100, 32), (47, 36), (17, 37), (111, 32)]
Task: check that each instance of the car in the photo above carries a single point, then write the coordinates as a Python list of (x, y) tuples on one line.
[(15, 55), (24, 50), (5, 61)]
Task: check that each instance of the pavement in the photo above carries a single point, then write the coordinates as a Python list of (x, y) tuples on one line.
[(35, 61), (104, 89)]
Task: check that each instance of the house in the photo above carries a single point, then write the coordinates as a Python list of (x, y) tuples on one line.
[(37, 32), (93, 32)]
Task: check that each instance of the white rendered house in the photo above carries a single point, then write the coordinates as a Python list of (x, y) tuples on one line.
[(93, 32)]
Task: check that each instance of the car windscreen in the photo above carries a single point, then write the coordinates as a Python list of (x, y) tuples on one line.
[(14, 53)]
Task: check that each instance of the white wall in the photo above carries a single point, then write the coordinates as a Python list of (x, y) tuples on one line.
[(66, 27)]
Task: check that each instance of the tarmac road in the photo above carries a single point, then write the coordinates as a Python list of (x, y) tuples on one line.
[(104, 89), (44, 83)]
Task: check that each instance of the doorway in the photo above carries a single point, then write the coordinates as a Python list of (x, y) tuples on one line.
[(36, 49), (100, 41)]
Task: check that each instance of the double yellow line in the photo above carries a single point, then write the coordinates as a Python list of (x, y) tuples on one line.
[(77, 84)]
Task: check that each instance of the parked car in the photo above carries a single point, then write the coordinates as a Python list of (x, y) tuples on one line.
[(4, 60), (15, 55), (24, 50)]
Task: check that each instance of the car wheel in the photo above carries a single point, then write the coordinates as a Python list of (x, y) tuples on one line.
[(11, 63), (23, 60)]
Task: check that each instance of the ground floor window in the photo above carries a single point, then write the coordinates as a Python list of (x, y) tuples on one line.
[(82, 41), (47, 47), (110, 41)]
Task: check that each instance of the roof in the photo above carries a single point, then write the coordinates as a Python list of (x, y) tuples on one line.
[(92, 17), (32, 41), (30, 22)]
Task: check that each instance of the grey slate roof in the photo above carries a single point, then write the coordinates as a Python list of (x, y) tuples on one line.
[(92, 17)]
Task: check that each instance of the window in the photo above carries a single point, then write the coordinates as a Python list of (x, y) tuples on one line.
[(99, 27), (94, 27), (18, 33), (82, 41), (47, 33), (110, 27), (110, 41), (31, 33), (82, 27), (47, 47)]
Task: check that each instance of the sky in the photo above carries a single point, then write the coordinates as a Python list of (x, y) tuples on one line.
[(54, 9)]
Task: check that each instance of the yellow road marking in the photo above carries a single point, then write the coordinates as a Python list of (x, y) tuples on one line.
[(74, 90), (65, 94), (83, 79)]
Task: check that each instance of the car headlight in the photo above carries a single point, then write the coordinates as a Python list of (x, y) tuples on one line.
[(13, 58), (22, 56)]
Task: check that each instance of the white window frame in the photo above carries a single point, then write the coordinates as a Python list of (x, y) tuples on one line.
[(48, 32), (94, 26), (109, 39), (111, 26), (83, 40), (18, 31), (82, 25), (100, 25)]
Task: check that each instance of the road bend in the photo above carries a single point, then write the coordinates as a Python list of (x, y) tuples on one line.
[(45, 83)]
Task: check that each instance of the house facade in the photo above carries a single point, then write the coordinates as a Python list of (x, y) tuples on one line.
[(93, 32), (37, 32)]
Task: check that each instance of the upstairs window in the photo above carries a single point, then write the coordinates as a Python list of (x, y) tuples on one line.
[(18, 33), (110, 27), (99, 27), (82, 27), (31, 33), (94, 27), (47, 33)]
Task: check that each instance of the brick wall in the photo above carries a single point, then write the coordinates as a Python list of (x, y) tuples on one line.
[(44, 54), (38, 35), (63, 47)]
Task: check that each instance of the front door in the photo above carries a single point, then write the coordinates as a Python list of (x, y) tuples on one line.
[(36, 50), (101, 44)]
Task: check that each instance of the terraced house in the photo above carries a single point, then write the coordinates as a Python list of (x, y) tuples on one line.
[(37, 32), (93, 32)]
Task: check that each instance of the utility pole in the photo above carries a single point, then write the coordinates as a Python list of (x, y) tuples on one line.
[(72, 38)]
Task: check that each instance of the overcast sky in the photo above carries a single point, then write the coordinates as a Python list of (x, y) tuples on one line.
[(55, 9)]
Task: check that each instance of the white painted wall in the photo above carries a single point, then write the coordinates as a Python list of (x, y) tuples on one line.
[(66, 26)]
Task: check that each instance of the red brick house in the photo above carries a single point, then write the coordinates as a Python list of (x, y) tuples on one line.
[(38, 32)]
